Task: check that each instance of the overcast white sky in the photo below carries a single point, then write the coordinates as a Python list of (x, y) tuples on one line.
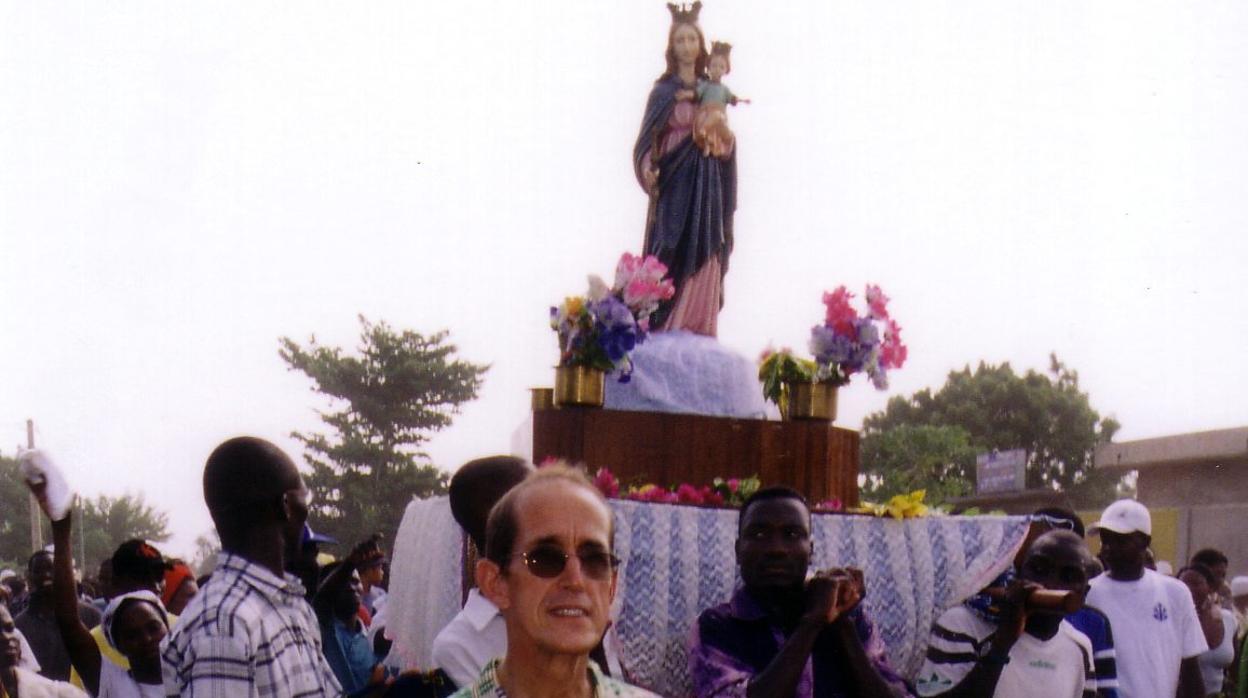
[(183, 183)]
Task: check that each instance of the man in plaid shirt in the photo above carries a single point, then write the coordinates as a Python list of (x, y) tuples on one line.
[(250, 632)]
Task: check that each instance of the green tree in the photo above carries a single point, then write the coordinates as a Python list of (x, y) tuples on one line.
[(386, 402), (939, 459), (207, 548), (100, 524), (103, 523), (1046, 414), (14, 516)]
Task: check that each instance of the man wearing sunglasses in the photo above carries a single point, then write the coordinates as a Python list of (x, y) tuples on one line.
[(782, 635), (550, 570)]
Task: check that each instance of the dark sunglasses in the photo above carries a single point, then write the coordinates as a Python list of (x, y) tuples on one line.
[(549, 562)]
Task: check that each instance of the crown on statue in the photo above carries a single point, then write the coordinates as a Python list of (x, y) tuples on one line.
[(721, 48), (684, 13)]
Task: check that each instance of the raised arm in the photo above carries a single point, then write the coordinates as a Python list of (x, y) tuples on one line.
[(983, 677), (84, 654), (329, 589)]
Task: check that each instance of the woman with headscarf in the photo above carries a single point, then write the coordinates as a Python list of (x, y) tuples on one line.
[(692, 195), (135, 624)]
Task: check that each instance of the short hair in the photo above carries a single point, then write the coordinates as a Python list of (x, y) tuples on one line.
[(243, 478), (1210, 557), (30, 562), (1202, 571), (768, 493), (502, 528), (1063, 514), (477, 486)]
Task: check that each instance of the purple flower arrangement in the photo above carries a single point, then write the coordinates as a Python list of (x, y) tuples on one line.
[(600, 329), (848, 342)]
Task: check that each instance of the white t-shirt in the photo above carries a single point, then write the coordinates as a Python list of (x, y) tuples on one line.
[(116, 682), (1155, 628), (1059, 667), (1213, 663), (474, 636)]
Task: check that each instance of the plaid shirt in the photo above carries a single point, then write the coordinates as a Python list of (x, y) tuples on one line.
[(487, 685), (247, 634)]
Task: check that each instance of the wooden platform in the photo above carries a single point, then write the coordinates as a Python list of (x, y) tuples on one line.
[(815, 458)]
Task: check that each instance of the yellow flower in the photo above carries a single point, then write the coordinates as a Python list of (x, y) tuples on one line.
[(573, 306), (902, 506), (908, 506)]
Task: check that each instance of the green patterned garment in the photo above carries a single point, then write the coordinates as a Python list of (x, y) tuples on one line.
[(604, 686)]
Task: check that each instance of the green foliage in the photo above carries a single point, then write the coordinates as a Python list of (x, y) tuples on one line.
[(781, 368), (388, 400), (100, 524), (14, 517), (905, 458), (103, 523), (1045, 414)]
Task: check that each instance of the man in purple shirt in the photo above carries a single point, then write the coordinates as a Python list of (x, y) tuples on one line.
[(782, 635)]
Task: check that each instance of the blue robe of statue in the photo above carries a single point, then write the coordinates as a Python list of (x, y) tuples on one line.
[(690, 219)]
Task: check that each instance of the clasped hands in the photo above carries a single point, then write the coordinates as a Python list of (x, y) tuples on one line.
[(832, 593)]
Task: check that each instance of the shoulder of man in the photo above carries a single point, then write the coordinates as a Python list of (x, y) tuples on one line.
[(222, 611)]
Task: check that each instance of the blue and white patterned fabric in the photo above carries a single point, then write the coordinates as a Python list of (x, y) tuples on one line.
[(679, 560)]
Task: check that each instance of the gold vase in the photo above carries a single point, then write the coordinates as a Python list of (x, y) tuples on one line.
[(542, 399), (812, 401), (579, 385)]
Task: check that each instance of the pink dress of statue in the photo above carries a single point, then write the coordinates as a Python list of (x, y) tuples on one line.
[(692, 194), (699, 298)]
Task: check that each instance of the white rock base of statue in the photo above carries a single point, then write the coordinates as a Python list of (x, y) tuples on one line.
[(689, 373)]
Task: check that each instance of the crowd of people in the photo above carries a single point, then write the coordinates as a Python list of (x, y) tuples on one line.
[(270, 621)]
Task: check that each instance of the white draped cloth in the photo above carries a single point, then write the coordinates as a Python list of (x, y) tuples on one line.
[(679, 560)]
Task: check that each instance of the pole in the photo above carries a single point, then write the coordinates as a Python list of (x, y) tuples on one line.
[(36, 520)]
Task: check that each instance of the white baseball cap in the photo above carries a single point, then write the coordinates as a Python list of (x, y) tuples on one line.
[(1124, 516), (1239, 586)]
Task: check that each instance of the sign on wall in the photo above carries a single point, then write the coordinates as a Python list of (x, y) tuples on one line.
[(1001, 471)]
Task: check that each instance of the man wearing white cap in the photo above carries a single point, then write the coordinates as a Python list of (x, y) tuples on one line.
[(1157, 634)]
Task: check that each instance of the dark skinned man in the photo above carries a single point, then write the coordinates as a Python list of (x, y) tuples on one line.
[(781, 635), (250, 632), (1023, 653), (1157, 633)]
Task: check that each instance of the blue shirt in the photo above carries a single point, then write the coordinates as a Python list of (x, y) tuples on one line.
[(1091, 622), (349, 654)]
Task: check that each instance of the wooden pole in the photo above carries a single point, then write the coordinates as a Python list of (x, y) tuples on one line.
[(36, 520)]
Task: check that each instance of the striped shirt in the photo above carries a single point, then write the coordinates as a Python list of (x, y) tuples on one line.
[(1091, 622), (247, 634), (1060, 667)]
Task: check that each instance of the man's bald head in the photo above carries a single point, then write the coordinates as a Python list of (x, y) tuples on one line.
[(245, 480)]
